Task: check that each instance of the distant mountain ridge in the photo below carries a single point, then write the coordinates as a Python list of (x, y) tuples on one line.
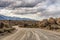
[(2, 17)]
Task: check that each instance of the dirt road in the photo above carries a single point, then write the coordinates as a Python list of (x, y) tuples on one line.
[(33, 34)]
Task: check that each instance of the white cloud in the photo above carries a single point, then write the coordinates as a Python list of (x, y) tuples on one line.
[(34, 9)]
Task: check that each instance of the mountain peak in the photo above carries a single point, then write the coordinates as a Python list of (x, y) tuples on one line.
[(2, 17)]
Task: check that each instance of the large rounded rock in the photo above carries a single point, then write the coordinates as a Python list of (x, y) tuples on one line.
[(55, 26), (43, 23), (51, 20), (58, 21)]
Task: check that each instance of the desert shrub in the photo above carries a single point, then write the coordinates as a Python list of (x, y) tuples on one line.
[(25, 25), (28, 25), (6, 25), (1, 25)]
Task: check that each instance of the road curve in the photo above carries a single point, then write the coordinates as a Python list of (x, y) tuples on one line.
[(33, 34)]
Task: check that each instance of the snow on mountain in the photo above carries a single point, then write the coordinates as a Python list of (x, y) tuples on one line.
[(2, 17), (32, 9)]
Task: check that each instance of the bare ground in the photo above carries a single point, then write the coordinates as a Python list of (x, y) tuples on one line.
[(32, 34)]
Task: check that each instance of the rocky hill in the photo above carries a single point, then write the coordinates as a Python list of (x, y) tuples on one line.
[(50, 24)]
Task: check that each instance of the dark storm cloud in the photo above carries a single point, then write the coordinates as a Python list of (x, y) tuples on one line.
[(4, 3), (19, 3)]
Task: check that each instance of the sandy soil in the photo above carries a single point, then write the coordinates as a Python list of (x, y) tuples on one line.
[(32, 34)]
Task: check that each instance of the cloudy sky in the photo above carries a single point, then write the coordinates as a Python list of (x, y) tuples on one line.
[(33, 9)]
